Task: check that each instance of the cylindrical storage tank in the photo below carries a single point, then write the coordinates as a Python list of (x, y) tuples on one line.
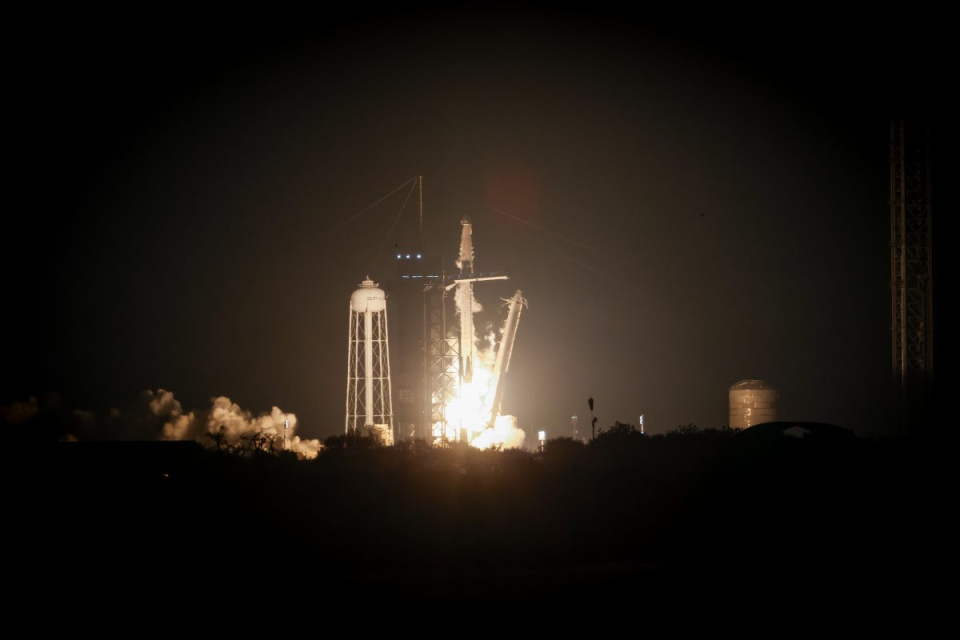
[(752, 402)]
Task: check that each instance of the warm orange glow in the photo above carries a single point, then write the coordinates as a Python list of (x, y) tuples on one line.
[(470, 409)]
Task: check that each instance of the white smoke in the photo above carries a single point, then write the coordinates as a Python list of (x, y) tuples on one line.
[(227, 418), (159, 414), (504, 434), (466, 293), (487, 353), (162, 403), (307, 449)]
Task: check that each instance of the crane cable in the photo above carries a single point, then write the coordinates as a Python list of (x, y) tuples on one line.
[(548, 232), (350, 219), (562, 238), (386, 239), (545, 231)]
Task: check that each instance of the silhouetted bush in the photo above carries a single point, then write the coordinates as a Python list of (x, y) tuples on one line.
[(563, 452), (700, 498), (350, 441)]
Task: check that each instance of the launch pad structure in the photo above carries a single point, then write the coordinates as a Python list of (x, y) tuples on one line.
[(441, 362), (911, 272), (432, 361)]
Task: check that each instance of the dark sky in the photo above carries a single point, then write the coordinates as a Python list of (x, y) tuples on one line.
[(175, 185)]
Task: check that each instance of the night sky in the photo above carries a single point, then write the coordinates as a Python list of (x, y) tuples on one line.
[(175, 187)]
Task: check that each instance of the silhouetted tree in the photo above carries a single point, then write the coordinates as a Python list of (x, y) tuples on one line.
[(684, 430), (219, 438), (619, 431), (560, 452), (350, 441)]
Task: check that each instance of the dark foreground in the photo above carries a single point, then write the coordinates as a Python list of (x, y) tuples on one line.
[(624, 517)]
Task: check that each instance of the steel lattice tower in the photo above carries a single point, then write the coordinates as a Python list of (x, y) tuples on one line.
[(441, 364), (911, 265)]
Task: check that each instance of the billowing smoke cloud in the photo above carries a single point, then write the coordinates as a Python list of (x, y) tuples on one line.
[(464, 295), (158, 414), (504, 434), (227, 420)]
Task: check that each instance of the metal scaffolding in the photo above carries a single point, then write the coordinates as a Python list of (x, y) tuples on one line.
[(441, 364), (911, 262)]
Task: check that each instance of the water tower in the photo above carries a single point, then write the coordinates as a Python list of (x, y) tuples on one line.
[(369, 403), (752, 402)]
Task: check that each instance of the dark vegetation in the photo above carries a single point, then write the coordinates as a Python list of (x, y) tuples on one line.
[(624, 513)]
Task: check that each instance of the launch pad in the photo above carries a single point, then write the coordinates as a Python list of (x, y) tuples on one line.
[(447, 388)]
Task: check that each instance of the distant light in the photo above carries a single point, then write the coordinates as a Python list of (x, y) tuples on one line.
[(399, 256), (543, 435), (419, 256), (408, 256)]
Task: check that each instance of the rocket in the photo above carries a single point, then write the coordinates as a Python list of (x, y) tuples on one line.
[(464, 285), (468, 346)]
